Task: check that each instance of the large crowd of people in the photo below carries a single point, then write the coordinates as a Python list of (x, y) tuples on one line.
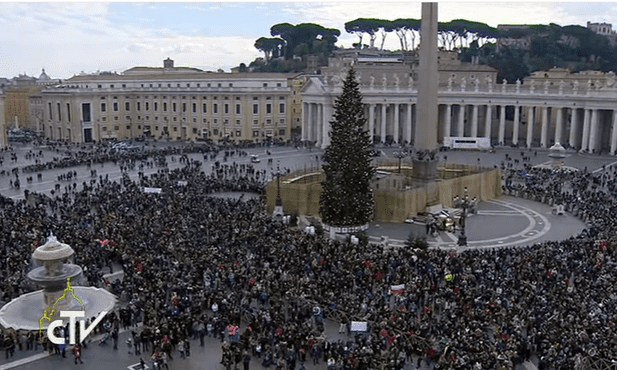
[(196, 265)]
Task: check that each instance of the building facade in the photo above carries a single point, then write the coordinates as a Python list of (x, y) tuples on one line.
[(579, 114), (170, 102)]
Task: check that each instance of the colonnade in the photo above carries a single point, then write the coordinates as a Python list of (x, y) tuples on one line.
[(526, 124), (386, 121)]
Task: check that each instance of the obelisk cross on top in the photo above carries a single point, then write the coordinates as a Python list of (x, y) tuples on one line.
[(428, 80)]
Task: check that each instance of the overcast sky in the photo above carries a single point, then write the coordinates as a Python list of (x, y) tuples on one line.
[(67, 38)]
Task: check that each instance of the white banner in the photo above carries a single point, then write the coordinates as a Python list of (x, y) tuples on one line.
[(359, 326), (153, 190)]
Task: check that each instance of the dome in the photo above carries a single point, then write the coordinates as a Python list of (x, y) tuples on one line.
[(44, 76), (53, 250)]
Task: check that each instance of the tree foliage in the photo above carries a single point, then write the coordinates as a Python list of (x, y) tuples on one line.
[(347, 198), (574, 47), (304, 33)]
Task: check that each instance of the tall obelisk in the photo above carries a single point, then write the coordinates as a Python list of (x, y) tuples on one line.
[(425, 161), (428, 80)]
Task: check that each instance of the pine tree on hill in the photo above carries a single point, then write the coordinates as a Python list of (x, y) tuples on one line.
[(347, 198)]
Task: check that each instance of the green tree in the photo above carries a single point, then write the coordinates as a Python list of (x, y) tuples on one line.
[(269, 46), (347, 198)]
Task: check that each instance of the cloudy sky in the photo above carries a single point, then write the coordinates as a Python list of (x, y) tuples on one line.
[(68, 38)]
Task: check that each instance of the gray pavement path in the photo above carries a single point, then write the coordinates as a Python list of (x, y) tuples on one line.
[(502, 222)]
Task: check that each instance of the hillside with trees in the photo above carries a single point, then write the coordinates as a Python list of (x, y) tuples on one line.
[(515, 51)]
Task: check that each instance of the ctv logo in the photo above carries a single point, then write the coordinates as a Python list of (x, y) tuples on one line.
[(72, 315)]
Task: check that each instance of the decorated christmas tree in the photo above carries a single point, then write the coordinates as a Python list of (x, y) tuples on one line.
[(347, 198)]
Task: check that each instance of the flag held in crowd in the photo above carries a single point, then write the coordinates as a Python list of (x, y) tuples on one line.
[(397, 289)]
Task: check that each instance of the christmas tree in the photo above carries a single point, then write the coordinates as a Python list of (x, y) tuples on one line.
[(347, 198)]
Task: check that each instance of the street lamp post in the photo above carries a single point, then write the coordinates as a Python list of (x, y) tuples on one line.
[(462, 203), (400, 155)]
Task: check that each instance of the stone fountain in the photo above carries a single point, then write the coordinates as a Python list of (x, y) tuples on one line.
[(54, 271)]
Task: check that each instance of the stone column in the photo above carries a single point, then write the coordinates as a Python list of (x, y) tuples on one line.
[(502, 125), (327, 114), (532, 118), (383, 123), (614, 134), (488, 121), (559, 125), (448, 120), (585, 138), (593, 132), (371, 120), (544, 133), (573, 128), (321, 121), (515, 125), (474, 121), (408, 123), (311, 123), (460, 132), (304, 121), (396, 123)]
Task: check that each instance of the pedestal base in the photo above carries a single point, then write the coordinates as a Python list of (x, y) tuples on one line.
[(425, 175), (425, 170)]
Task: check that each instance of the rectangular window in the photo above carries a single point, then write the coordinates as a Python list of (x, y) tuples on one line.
[(127, 106), (147, 106), (173, 107), (237, 122), (156, 106), (215, 132), (115, 106), (204, 108), (226, 108), (282, 121), (68, 112), (164, 106), (255, 108), (138, 106), (282, 108), (104, 128), (116, 128), (59, 112), (51, 113), (215, 108), (255, 122), (255, 133), (238, 110), (215, 121), (282, 132), (194, 107), (85, 112), (103, 107), (238, 133), (268, 122), (268, 108), (184, 107)]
